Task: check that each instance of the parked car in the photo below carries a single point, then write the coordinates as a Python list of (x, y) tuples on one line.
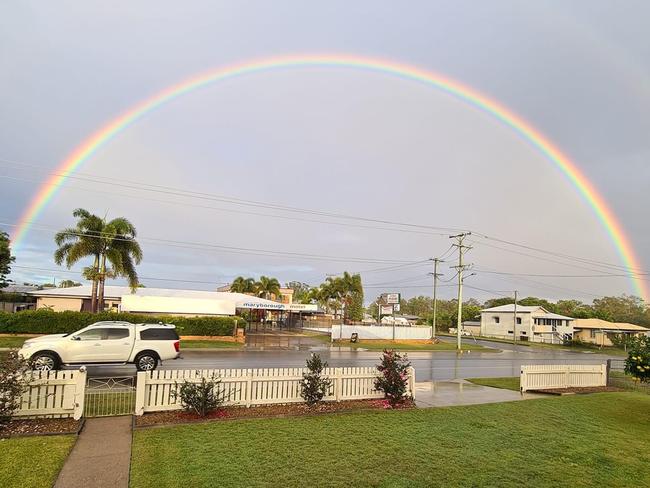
[(144, 345)]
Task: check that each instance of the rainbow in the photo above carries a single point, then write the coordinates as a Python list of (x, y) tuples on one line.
[(586, 189)]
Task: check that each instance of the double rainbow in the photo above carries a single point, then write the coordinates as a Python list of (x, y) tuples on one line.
[(452, 87)]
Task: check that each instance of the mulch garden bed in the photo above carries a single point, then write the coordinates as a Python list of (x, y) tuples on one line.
[(262, 411), (27, 427), (581, 390)]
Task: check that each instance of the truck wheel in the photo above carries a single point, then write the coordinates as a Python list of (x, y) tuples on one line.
[(146, 361), (45, 361)]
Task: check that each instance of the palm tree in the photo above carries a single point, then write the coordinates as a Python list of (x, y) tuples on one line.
[(109, 243), (266, 287), (243, 285), (76, 243), (120, 249)]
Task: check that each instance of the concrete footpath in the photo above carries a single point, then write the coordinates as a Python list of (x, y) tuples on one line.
[(461, 392), (101, 457)]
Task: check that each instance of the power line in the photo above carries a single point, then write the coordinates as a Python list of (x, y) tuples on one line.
[(561, 275), (227, 249)]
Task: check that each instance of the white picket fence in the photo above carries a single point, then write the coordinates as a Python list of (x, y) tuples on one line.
[(549, 376), (155, 389), (54, 394)]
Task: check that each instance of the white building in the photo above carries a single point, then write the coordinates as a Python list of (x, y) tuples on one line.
[(533, 323), (160, 301)]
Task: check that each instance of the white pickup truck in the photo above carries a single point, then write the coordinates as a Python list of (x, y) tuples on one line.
[(144, 345)]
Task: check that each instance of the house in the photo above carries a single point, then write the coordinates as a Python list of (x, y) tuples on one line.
[(160, 301), (472, 326), (601, 332), (15, 298), (534, 323)]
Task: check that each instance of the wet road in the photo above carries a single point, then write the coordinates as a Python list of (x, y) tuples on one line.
[(279, 351)]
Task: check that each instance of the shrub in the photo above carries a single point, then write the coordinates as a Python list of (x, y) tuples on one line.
[(313, 386), (12, 385), (200, 398), (393, 377), (45, 321), (637, 363)]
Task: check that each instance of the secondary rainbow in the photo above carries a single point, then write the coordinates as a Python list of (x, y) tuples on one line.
[(587, 190)]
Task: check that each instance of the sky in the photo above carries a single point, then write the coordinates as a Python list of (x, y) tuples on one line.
[(334, 140)]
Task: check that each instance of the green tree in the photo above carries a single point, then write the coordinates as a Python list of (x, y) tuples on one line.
[(5, 259), (300, 291), (243, 285), (625, 308), (111, 244), (267, 287), (68, 284)]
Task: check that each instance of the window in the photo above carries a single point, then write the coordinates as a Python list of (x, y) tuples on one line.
[(94, 334), (159, 334), (117, 333), (592, 333), (511, 332), (495, 319), (518, 320)]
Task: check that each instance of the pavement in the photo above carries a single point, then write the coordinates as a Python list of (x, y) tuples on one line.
[(277, 350), (461, 392), (101, 456)]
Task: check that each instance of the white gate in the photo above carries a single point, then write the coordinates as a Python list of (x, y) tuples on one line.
[(552, 376), (110, 396)]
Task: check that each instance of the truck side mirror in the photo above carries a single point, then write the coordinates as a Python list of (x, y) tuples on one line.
[(76, 338)]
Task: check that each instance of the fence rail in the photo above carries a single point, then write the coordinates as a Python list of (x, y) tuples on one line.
[(155, 390), (551, 376), (53, 394)]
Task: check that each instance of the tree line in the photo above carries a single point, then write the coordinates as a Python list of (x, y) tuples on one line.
[(624, 308)]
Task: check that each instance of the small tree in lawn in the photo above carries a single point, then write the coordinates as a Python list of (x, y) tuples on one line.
[(13, 383), (200, 398), (393, 377), (314, 386), (637, 363)]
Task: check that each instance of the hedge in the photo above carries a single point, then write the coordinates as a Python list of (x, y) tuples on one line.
[(48, 322)]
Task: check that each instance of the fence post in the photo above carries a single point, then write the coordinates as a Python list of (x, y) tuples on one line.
[(522, 381), (338, 384), (140, 387), (604, 371), (79, 393), (608, 371), (411, 380), (567, 384), (249, 388)]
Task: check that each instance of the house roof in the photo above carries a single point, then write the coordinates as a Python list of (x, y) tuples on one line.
[(605, 325), (116, 292)]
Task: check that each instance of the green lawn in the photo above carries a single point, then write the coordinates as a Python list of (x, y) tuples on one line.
[(507, 383), (33, 462), (190, 344), (577, 441), (381, 345), (12, 341)]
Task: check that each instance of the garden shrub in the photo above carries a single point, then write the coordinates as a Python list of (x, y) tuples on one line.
[(45, 321), (314, 386), (637, 363), (393, 377), (13, 384), (200, 398)]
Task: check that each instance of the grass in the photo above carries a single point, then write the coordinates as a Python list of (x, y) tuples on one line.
[(33, 462), (192, 344), (577, 441), (12, 341), (507, 383), (405, 346)]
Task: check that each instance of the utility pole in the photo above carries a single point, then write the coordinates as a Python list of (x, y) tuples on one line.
[(514, 325), (462, 249), (435, 300)]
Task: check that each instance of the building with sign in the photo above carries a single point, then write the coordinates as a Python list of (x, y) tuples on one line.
[(161, 301)]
